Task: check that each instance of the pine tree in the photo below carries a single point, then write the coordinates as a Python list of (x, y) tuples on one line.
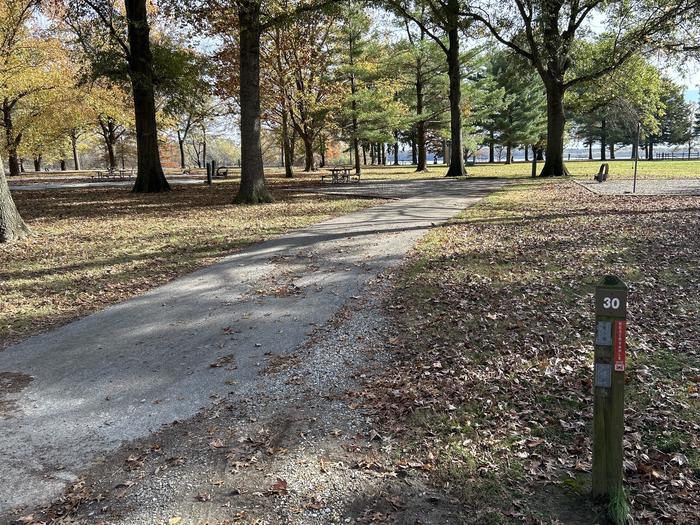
[(516, 114), (696, 124), (370, 112)]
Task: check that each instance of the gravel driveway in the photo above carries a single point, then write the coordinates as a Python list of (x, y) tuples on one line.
[(684, 187), (94, 388)]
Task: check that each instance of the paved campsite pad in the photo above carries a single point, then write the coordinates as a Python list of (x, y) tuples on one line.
[(123, 373), (296, 449), (681, 187)]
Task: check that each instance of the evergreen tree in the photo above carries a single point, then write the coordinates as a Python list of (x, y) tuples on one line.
[(673, 120), (369, 113), (514, 102), (676, 121), (606, 111), (426, 89)]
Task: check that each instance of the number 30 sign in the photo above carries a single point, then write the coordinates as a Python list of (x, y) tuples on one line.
[(611, 303)]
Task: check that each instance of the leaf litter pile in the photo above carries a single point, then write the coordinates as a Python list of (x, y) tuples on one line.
[(492, 390)]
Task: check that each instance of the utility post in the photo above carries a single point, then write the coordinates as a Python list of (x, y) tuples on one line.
[(636, 157), (609, 386), (210, 174)]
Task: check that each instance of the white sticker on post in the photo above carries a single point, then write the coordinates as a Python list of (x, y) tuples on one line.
[(603, 335), (603, 375)]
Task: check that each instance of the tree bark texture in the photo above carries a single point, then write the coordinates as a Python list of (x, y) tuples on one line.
[(554, 162), (12, 227), (150, 177), (456, 168), (253, 189)]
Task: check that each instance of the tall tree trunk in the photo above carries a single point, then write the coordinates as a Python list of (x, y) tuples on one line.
[(292, 146), (356, 149), (456, 168), (492, 147), (63, 164), (181, 144), (422, 155), (554, 163), (527, 153), (364, 154), (253, 188), (111, 155), (396, 151), (37, 163), (590, 150), (355, 130), (383, 153), (509, 152), (603, 138), (12, 227), (74, 147), (322, 151), (309, 161), (11, 142), (109, 135), (150, 177), (204, 146), (612, 151), (14, 162), (286, 146), (356, 142), (650, 154)]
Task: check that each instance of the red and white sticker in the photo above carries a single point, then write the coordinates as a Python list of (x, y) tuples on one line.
[(619, 345)]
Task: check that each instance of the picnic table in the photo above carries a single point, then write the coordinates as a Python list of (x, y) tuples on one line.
[(341, 174), (111, 172)]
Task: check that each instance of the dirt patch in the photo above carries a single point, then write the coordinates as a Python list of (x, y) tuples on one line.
[(11, 383)]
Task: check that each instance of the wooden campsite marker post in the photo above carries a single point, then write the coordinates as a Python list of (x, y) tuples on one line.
[(609, 385)]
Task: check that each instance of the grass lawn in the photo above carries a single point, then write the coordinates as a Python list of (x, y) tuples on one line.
[(95, 247), (493, 384), (660, 169), (624, 169)]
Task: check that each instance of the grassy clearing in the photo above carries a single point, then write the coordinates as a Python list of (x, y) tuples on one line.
[(493, 386), (95, 247), (579, 169), (662, 169), (624, 169)]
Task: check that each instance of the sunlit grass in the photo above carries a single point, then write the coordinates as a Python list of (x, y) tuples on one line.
[(621, 169)]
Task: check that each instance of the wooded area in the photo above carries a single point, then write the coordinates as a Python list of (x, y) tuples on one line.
[(340, 81), (338, 261)]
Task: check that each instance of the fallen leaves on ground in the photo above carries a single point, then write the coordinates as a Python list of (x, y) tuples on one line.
[(495, 317), (278, 488)]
